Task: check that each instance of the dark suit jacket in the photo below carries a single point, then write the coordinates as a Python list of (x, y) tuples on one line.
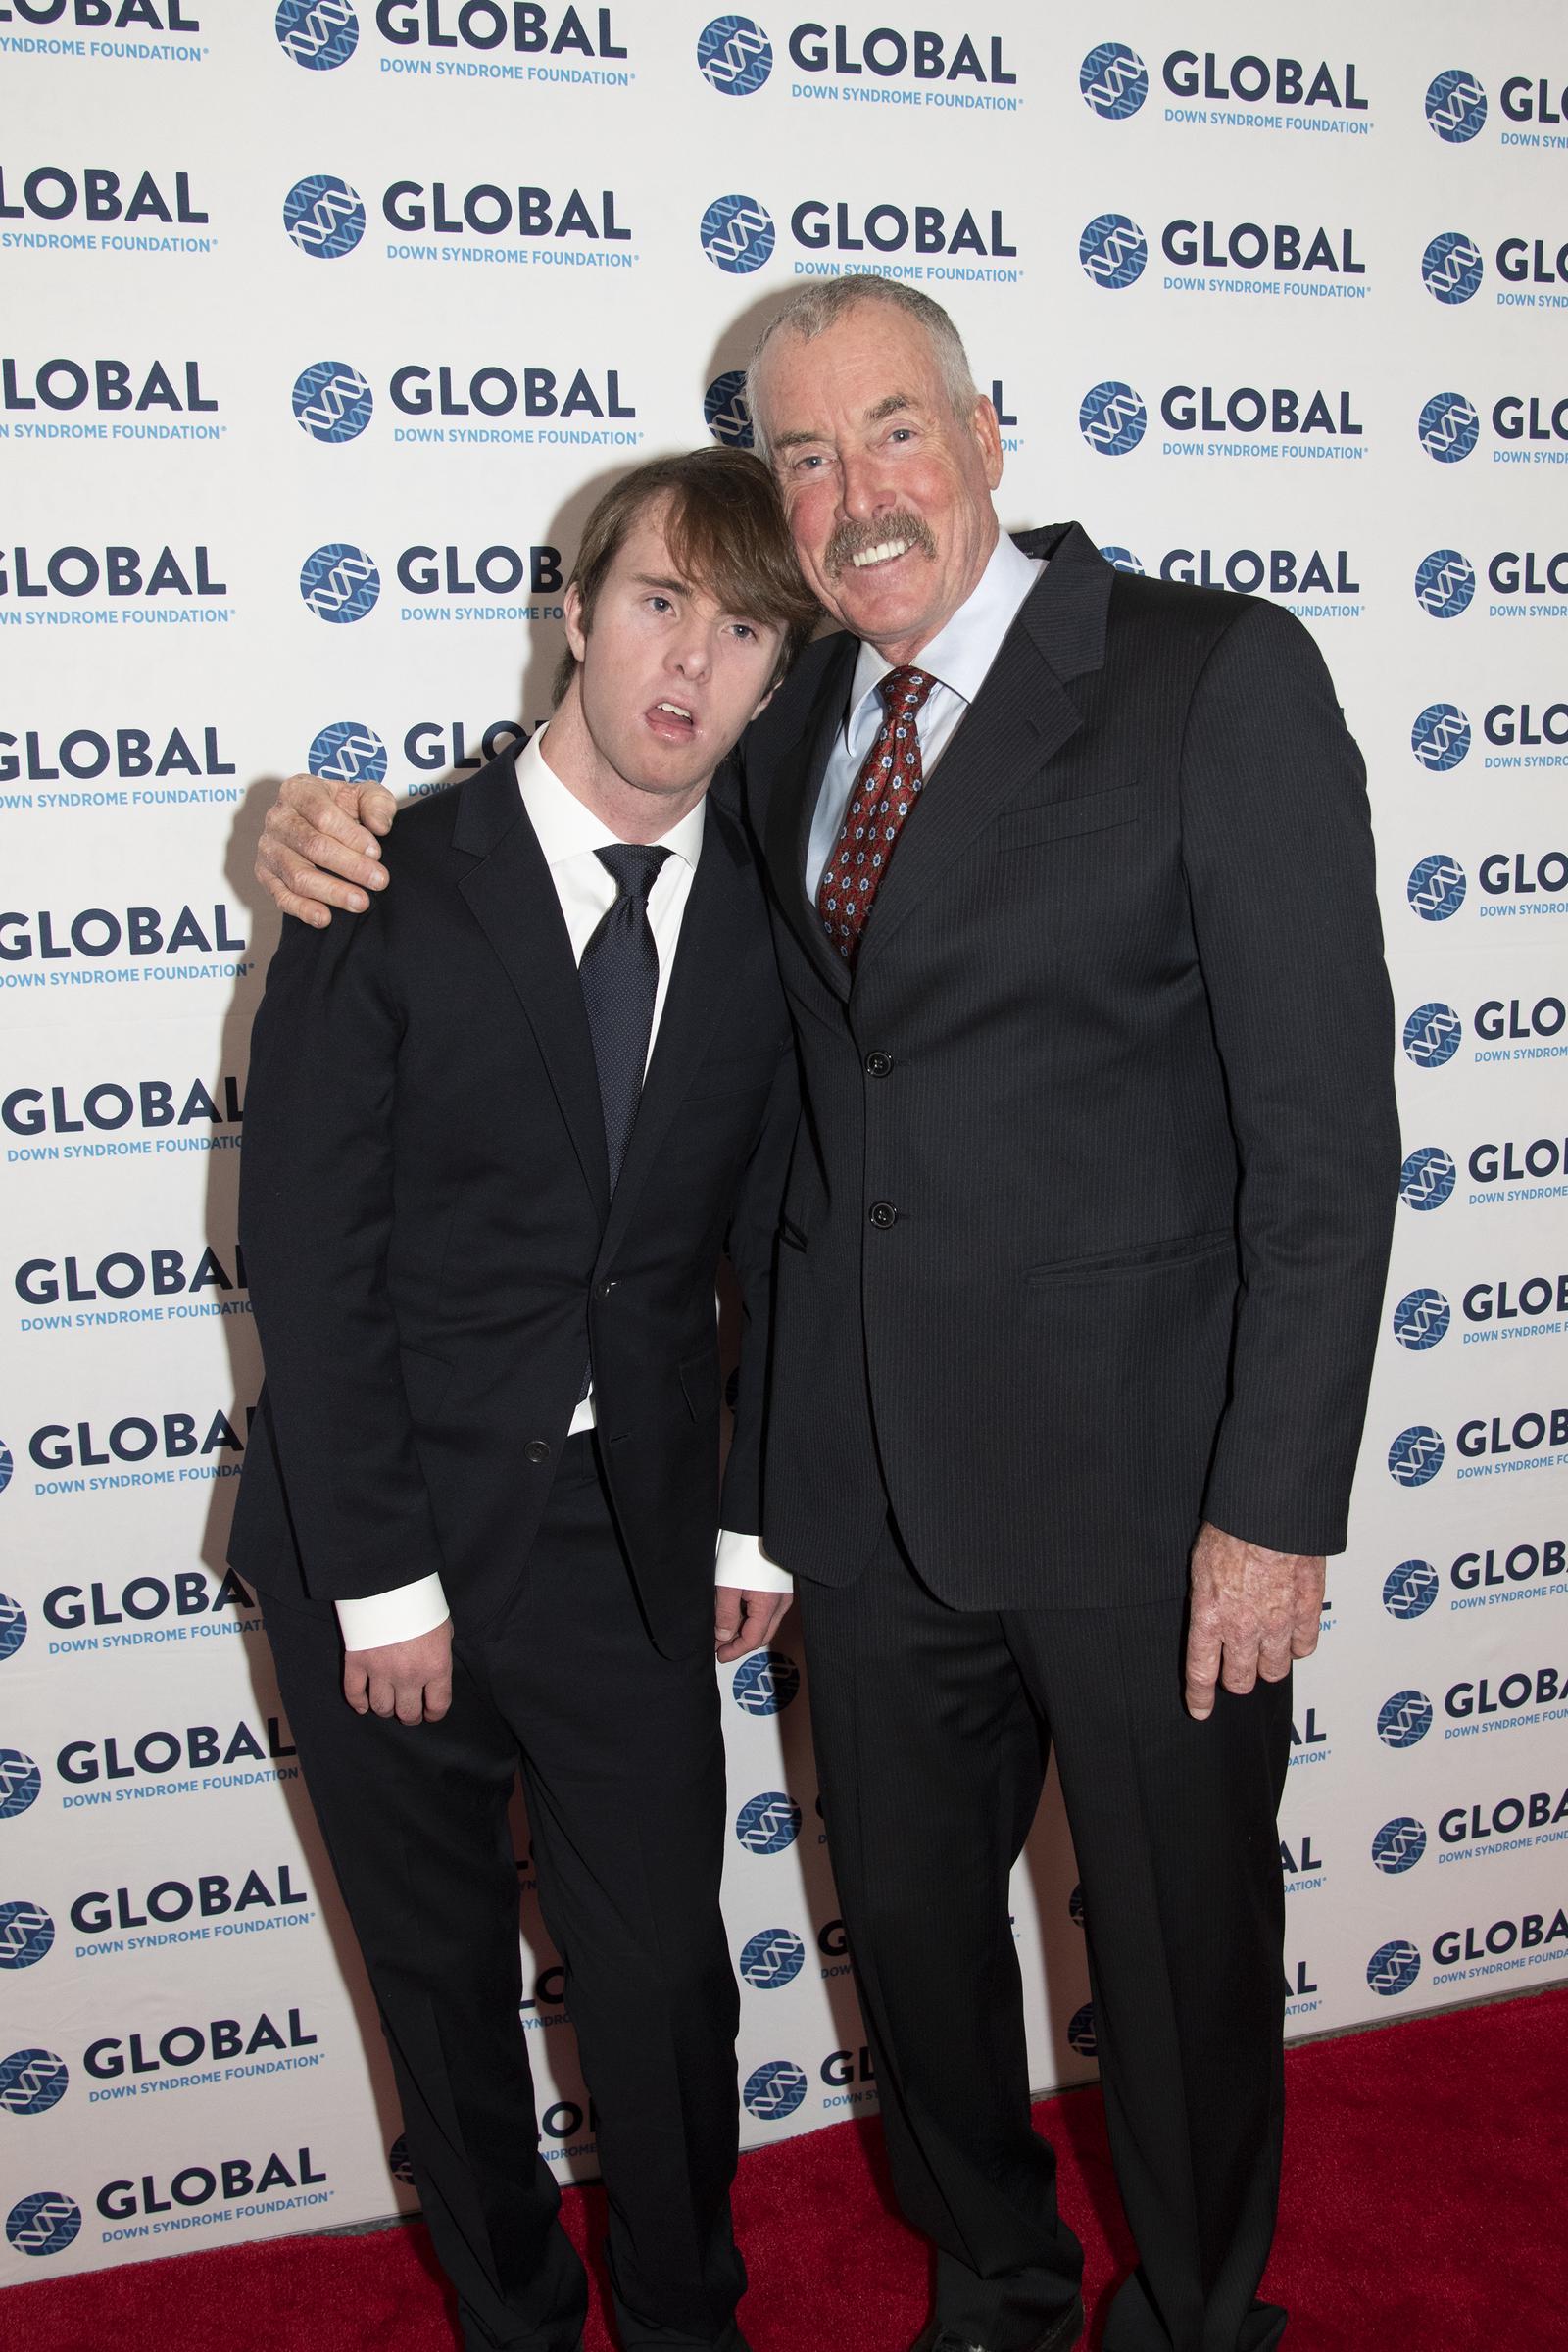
[(433, 1248), (1117, 1057)]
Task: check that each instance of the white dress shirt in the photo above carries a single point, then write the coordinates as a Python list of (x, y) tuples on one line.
[(569, 834), (958, 657)]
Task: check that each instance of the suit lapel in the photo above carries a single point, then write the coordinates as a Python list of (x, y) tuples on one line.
[(512, 897), (797, 781)]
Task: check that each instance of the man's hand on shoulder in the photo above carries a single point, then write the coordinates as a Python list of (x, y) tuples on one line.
[(1252, 1612), (320, 848), (410, 1679), (745, 1621)]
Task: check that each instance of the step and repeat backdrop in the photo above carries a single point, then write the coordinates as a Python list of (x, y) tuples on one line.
[(324, 326)]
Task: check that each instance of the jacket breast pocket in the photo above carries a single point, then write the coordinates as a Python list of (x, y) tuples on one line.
[(1061, 820)]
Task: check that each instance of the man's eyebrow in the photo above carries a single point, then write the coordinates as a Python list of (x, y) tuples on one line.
[(889, 406), (794, 440), (666, 587)]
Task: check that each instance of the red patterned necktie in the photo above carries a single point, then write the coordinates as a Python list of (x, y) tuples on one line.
[(884, 793)]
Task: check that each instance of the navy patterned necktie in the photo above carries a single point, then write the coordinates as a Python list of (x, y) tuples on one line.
[(880, 801), (619, 975)]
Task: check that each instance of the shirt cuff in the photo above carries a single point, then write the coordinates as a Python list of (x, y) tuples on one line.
[(745, 1566), (401, 1615)]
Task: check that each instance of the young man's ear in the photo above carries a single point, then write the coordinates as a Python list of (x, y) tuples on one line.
[(577, 635)]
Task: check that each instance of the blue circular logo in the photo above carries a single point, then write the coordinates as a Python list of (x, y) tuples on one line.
[(735, 55), (1444, 583), (325, 216), (397, 2160), (44, 2223), (1440, 737), (6, 1465), (1404, 1720), (1081, 2031), (13, 1626), (1112, 251), (737, 234), (1393, 1968), (1410, 1589), (31, 2082), (726, 410), (1075, 1906), (1449, 427), (1114, 81), (19, 1783), (1122, 559), (1431, 1035), (26, 1933), (1421, 1319), (332, 401), (1111, 419), (340, 583), (1436, 887), (765, 1683), (774, 1958), (767, 1824), (1427, 1177), (317, 34), (1416, 1455), (1451, 267), (349, 753), (1457, 106), (774, 2090), (1399, 1845)]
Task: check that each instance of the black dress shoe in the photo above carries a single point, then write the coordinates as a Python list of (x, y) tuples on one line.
[(1059, 2336)]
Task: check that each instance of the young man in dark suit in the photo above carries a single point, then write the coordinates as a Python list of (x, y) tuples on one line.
[(482, 1495)]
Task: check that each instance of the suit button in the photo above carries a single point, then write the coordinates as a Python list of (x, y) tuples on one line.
[(537, 1449), (877, 1066), (605, 1288), (883, 1214)]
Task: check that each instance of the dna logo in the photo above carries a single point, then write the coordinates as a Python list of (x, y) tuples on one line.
[(1427, 1177), (1393, 1968), (1114, 81), (13, 1626), (1112, 251), (1404, 1720), (767, 1824), (6, 1465), (734, 55), (19, 1783), (1431, 1035), (348, 752), (1122, 559), (1111, 419), (1435, 888), (31, 2082), (1451, 267), (317, 34), (332, 401), (1440, 737), (1444, 583), (1457, 106), (340, 583), (1081, 2031), (1449, 427), (774, 2090), (325, 216), (1421, 1319), (772, 1958), (26, 1933), (397, 2160), (1416, 1455), (737, 234), (726, 410), (44, 2223), (1399, 1845), (765, 1683), (1410, 1589)]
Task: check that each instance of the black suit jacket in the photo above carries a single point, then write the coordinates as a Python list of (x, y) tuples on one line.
[(431, 1244), (1116, 1056)]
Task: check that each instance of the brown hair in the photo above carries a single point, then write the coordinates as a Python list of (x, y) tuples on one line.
[(726, 534)]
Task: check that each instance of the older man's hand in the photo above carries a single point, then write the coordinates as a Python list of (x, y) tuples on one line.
[(319, 847), (1252, 1612), (410, 1679), (745, 1621)]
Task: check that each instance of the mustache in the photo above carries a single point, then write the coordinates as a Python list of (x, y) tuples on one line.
[(852, 538)]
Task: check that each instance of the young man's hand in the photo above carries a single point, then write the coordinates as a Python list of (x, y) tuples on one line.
[(410, 1679)]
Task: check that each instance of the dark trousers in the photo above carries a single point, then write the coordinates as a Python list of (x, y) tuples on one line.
[(932, 1728), (621, 1757)]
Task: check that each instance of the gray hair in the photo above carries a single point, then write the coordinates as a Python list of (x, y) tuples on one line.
[(816, 307)]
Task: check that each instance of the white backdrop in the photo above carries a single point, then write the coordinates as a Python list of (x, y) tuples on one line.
[(323, 324)]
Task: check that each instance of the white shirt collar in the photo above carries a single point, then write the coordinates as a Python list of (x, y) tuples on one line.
[(960, 653), (566, 828)]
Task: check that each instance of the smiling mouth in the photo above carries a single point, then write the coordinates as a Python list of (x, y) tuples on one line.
[(884, 552)]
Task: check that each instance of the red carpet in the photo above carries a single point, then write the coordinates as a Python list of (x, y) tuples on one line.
[(1423, 2209)]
